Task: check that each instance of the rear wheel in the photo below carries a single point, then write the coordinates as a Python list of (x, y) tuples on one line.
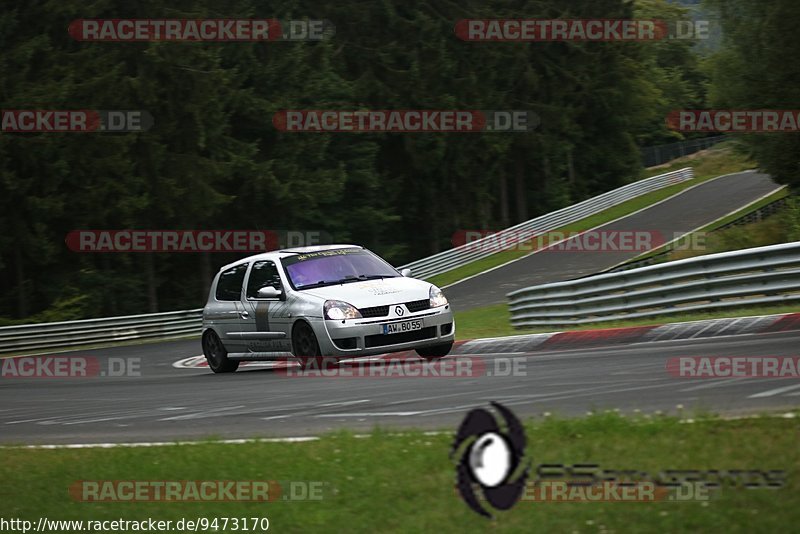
[(436, 351), (306, 348), (216, 355)]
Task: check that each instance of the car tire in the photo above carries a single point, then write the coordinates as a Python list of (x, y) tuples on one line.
[(436, 351), (305, 347), (216, 354)]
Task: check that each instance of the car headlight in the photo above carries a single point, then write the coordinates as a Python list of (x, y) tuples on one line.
[(339, 311), (437, 297)]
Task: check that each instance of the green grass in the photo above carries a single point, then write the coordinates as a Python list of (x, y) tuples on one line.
[(495, 320), (722, 159), (405, 483)]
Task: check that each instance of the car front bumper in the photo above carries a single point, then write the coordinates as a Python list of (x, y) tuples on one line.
[(365, 337)]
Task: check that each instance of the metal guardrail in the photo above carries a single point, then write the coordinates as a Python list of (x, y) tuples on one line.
[(763, 275), (510, 237), (42, 336)]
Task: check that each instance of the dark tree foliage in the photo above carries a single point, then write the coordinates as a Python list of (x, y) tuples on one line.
[(213, 159), (757, 68)]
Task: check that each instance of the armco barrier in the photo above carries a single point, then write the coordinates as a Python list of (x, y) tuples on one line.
[(749, 277), (43, 336)]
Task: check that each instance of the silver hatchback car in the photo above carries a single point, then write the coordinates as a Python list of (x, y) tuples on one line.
[(310, 303)]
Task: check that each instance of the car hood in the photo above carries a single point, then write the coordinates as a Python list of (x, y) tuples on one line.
[(374, 292)]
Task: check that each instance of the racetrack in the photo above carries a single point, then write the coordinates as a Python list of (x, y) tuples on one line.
[(677, 215), (166, 403)]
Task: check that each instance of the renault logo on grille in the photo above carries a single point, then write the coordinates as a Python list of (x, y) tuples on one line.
[(399, 310)]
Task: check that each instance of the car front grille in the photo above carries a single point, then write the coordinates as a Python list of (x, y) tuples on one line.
[(375, 311), (418, 305), (382, 311), (381, 340)]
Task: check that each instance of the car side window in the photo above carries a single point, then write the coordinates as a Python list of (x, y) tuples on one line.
[(229, 286), (263, 274)]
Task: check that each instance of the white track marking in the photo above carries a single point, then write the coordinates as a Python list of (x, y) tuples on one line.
[(438, 411), (369, 414), (773, 392), (714, 384), (28, 421), (202, 415), (299, 439), (164, 443), (343, 403)]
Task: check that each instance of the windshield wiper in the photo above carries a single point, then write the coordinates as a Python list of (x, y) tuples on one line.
[(346, 280), (362, 277), (321, 283), (351, 278)]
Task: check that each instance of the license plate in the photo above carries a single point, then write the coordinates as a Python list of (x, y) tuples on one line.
[(406, 326)]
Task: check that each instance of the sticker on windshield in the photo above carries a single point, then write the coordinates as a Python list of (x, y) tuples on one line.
[(322, 254)]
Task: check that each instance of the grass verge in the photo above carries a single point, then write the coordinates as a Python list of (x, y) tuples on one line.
[(405, 483), (495, 320), (708, 164)]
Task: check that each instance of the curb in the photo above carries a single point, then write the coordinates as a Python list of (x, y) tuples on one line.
[(706, 328), (577, 339)]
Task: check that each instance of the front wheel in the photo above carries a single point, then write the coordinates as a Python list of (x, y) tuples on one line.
[(216, 355), (436, 351), (306, 348)]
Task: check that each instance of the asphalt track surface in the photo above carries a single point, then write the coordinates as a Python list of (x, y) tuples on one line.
[(166, 404), (687, 211)]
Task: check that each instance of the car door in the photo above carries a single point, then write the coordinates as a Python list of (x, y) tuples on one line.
[(223, 312), (265, 324)]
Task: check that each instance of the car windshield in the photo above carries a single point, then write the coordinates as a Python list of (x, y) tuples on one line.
[(340, 266)]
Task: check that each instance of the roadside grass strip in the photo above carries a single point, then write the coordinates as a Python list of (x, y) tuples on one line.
[(404, 482)]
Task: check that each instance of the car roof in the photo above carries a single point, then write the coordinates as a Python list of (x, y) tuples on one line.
[(284, 253)]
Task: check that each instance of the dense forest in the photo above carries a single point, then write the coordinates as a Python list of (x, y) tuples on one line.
[(214, 160)]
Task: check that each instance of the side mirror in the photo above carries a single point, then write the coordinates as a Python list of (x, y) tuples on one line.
[(406, 273), (269, 292)]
